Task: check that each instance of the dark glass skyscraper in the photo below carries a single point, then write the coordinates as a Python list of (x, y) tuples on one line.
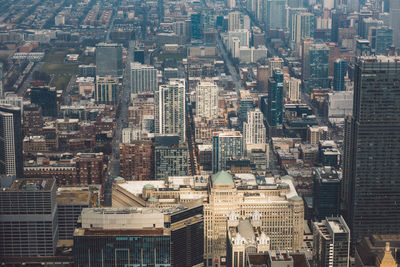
[(319, 66), (275, 98), (339, 72), (371, 191), (197, 27), (46, 98)]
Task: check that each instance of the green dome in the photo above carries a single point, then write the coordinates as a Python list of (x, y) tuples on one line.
[(222, 177), (152, 199), (119, 178), (148, 186)]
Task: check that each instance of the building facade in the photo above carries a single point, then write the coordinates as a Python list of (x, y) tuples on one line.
[(207, 100), (108, 59), (107, 90), (372, 151), (143, 78), (226, 145)]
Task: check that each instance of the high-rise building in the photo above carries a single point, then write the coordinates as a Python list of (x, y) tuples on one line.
[(339, 72), (29, 222), (302, 26), (108, 59), (318, 67), (275, 14), (170, 109), (243, 234), (170, 157), (234, 20), (326, 192), (224, 194), (246, 103), (138, 55), (292, 89), (46, 98), (331, 243), (254, 130), (11, 158), (381, 39), (1, 81), (275, 98), (107, 90), (196, 26), (231, 4), (140, 236), (207, 99), (372, 156), (226, 145), (143, 78), (136, 160), (32, 120), (395, 21), (274, 63)]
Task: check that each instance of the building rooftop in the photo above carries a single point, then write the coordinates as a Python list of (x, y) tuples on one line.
[(32, 184), (222, 177)]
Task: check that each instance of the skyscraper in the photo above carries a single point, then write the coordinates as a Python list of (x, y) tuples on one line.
[(107, 90), (1, 81), (234, 21), (276, 14), (331, 243), (371, 191), (226, 145), (339, 72), (207, 99), (275, 98), (29, 222), (170, 109), (254, 130), (11, 160), (108, 59), (380, 38), (395, 21), (46, 98), (197, 26), (143, 78), (302, 26), (318, 67)]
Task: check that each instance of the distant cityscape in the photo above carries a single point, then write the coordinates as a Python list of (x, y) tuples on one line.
[(200, 133)]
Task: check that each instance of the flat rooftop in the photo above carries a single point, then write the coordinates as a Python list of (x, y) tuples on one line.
[(112, 232), (32, 184)]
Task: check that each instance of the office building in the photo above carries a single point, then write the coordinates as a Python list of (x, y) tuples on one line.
[(340, 105), (254, 130), (108, 59), (292, 89), (395, 21), (138, 55), (11, 157), (275, 98), (46, 98), (246, 103), (226, 145), (275, 14), (316, 133), (234, 21), (207, 99), (231, 4), (339, 73), (170, 109), (331, 243), (276, 200), (29, 221), (107, 90), (170, 157), (71, 200), (371, 154), (244, 236), (274, 63), (326, 192), (301, 27), (196, 26), (381, 39), (143, 78), (318, 67), (1, 80), (378, 250), (140, 236)]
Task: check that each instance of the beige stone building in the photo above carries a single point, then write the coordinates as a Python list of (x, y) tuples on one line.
[(275, 199)]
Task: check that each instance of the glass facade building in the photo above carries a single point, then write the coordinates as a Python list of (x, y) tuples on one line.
[(318, 67), (46, 99), (371, 191), (339, 72), (108, 59), (275, 98)]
